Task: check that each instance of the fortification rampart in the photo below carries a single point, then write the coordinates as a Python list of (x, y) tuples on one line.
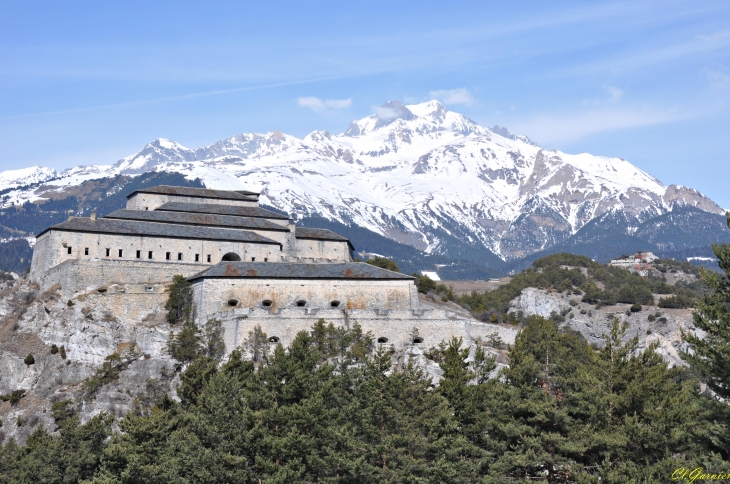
[(398, 327), (76, 276), (150, 201), (216, 295), (55, 247)]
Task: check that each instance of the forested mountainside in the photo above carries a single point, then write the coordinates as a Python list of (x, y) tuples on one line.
[(427, 177), (681, 233)]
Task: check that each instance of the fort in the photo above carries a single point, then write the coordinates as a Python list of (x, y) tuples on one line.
[(248, 266)]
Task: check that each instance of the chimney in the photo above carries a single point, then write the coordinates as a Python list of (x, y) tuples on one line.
[(93, 216)]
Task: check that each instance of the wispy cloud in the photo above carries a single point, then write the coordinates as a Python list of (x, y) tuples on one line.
[(718, 79), (555, 129), (614, 94), (453, 96), (319, 105)]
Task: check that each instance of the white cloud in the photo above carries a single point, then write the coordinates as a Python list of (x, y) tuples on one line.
[(718, 80), (614, 94), (318, 105), (549, 129), (453, 96), (386, 113)]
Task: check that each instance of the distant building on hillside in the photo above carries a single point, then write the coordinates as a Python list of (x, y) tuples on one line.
[(638, 262)]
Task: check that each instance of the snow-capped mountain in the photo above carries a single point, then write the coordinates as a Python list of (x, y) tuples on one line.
[(419, 174)]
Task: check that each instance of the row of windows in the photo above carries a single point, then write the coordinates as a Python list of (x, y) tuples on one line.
[(267, 303), (150, 255), (169, 255), (381, 340)]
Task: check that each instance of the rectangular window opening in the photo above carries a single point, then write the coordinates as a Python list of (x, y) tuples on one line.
[(108, 252), (120, 252), (86, 251), (209, 257), (68, 250), (167, 256), (179, 256), (139, 254), (253, 259), (149, 254), (197, 257)]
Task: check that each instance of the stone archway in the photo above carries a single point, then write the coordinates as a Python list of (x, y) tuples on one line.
[(231, 257)]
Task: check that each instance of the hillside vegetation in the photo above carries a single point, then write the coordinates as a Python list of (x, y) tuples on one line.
[(589, 282), (331, 408)]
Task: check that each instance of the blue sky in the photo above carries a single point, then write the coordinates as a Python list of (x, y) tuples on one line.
[(92, 82)]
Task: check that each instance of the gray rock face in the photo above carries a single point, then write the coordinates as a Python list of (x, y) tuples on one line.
[(30, 323), (593, 323)]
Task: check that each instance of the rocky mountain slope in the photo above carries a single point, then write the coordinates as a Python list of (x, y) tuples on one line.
[(421, 175)]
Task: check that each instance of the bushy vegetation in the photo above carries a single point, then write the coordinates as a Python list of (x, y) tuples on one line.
[(589, 281), (383, 263), (331, 408), (179, 306)]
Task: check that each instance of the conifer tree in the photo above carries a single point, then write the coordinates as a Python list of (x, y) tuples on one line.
[(711, 354)]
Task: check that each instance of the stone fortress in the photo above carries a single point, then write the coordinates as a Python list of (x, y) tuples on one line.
[(248, 266)]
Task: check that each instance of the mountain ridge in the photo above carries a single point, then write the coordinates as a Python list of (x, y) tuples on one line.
[(420, 174)]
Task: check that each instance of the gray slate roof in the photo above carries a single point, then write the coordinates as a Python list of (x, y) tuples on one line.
[(199, 192), (281, 270), (192, 218), (319, 234), (154, 229), (257, 212)]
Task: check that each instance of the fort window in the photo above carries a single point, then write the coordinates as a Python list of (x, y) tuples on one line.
[(197, 257), (68, 250), (232, 302), (108, 252), (266, 259), (253, 259), (179, 256), (267, 303), (209, 257), (86, 251), (417, 340), (382, 340), (301, 303), (273, 339), (120, 252), (167, 256), (335, 304), (231, 257), (149, 254), (139, 254)]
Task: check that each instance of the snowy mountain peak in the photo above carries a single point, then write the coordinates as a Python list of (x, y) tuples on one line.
[(420, 174)]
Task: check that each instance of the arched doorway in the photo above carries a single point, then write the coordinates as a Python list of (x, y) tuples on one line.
[(231, 257)]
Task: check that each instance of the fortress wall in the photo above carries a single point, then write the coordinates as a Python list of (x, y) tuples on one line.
[(150, 201), (212, 295), (320, 249), (84, 275), (433, 326), (43, 258), (55, 252)]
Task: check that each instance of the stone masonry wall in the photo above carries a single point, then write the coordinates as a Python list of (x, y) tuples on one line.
[(80, 276), (54, 244), (150, 201), (398, 327), (216, 295)]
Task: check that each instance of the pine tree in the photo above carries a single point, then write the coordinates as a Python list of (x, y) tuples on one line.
[(212, 338), (180, 306), (711, 354)]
